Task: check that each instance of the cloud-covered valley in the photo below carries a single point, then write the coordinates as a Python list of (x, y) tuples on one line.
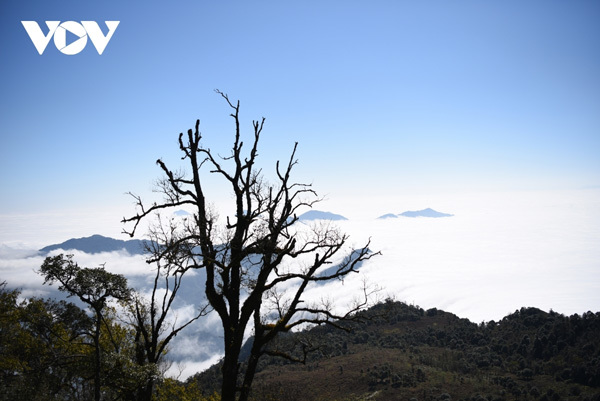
[(496, 254)]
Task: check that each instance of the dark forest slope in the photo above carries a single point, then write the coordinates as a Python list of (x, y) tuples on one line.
[(402, 352)]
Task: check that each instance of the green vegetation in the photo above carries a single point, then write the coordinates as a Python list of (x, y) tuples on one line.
[(54, 350), (393, 352)]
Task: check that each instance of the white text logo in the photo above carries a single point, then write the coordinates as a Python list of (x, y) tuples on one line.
[(59, 30)]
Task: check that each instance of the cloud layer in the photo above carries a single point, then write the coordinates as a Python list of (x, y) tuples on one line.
[(498, 253)]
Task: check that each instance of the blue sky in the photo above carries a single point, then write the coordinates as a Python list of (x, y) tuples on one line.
[(387, 98)]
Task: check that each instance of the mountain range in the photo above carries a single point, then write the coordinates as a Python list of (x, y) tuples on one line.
[(98, 243)]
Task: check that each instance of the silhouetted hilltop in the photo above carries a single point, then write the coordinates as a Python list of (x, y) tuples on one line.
[(98, 243)]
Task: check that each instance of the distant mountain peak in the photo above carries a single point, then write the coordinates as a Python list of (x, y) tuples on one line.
[(388, 216), (319, 215), (429, 212), (98, 243)]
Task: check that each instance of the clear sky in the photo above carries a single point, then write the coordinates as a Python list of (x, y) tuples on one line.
[(386, 98)]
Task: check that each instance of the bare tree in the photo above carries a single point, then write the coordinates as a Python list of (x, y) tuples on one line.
[(258, 264)]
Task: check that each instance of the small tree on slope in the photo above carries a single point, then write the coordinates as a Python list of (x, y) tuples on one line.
[(93, 286)]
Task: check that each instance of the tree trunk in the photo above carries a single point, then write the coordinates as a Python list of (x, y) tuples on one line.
[(255, 353), (230, 373), (230, 369), (145, 391), (97, 357), (249, 376)]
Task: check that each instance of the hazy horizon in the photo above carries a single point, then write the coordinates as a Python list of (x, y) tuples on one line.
[(546, 235)]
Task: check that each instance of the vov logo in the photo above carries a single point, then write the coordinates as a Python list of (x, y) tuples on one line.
[(59, 31)]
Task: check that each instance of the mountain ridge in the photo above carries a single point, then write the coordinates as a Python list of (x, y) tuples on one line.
[(402, 352), (98, 243)]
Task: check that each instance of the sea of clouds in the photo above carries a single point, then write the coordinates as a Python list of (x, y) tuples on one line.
[(499, 252)]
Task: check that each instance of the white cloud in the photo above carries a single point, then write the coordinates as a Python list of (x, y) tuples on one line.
[(119, 262), (37, 230), (189, 367), (21, 272), (498, 253)]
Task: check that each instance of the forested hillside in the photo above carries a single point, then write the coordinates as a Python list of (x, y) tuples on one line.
[(402, 352), (392, 351)]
